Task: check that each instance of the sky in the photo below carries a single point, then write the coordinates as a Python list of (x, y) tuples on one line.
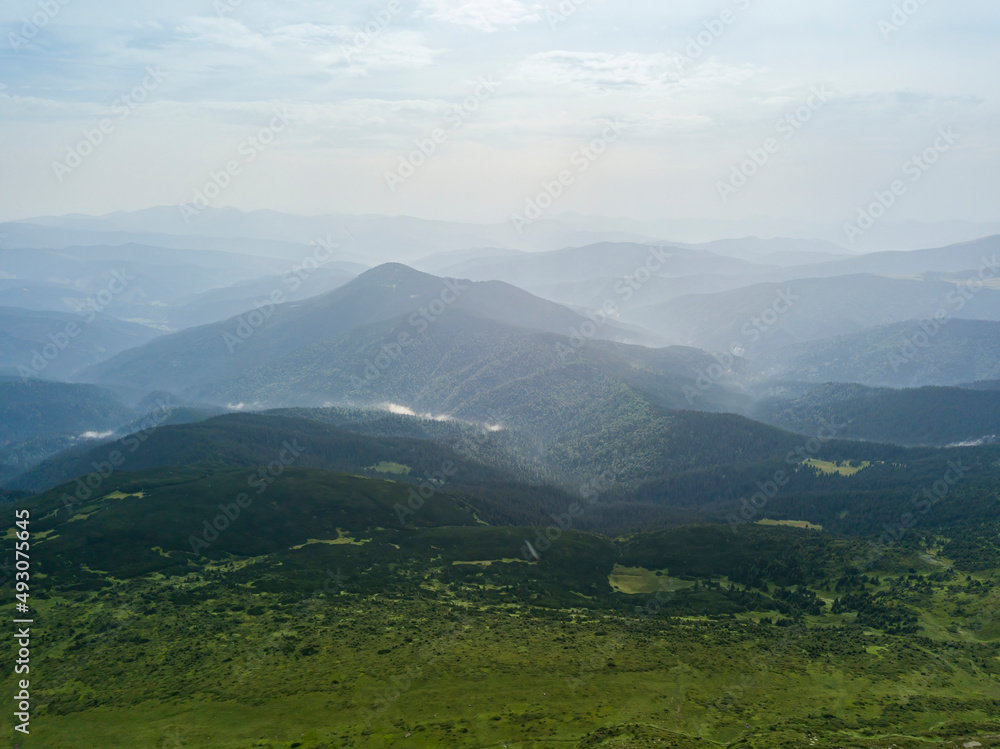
[(478, 110)]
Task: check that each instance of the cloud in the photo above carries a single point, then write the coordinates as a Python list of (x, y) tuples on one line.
[(393, 50), (221, 33), (486, 16), (303, 49), (360, 97), (630, 71), (395, 408)]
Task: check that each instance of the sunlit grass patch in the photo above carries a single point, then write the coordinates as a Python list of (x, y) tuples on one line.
[(804, 524), (387, 466), (636, 580), (342, 540), (122, 495), (845, 468)]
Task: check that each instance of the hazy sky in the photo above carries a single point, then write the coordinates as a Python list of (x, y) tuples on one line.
[(557, 78)]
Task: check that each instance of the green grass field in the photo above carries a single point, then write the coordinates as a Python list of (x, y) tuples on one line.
[(830, 468), (244, 670), (338, 631)]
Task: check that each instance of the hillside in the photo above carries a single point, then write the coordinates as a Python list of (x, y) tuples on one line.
[(40, 418), (584, 411), (959, 352), (502, 472), (954, 259), (682, 468), (366, 629), (138, 275), (244, 440), (603, 260), (56, 345), (167, 288), (763, 318), (37, 408), (922, 416), (193, 359)]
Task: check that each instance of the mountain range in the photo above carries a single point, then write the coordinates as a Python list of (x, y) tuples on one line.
[(259, 484)]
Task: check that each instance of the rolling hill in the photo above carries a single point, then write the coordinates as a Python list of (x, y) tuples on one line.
[(502, 472), (921, 416), (56, 345), (192, 359), (679, 468), (605, 260), (38, 408), (39, 419), (953, 259), (165, 288), (246, 440), (898, 355), (763, 318)]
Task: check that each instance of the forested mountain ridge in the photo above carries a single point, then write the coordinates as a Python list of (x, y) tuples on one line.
[(763, 318), (920, 416), (57, 345), (193, 359), (907, 354)]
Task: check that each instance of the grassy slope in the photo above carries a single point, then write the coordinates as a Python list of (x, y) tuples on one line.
[(270, 640)]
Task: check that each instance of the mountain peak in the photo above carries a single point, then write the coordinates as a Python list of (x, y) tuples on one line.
[(393, 271), (402, 279)]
